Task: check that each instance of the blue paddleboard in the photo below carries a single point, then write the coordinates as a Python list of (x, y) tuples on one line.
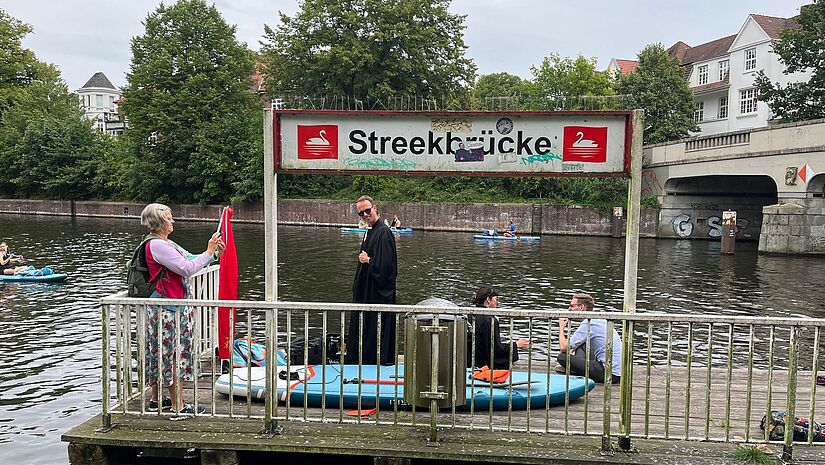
[(395, 230), (50, 278), (319, 381)]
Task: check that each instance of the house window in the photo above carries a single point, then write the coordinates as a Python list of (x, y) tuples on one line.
[(703, 74), (750, 59), (747, 101), (723, 107), (112, 102), (699, 111), (99, 101), (724, 67)]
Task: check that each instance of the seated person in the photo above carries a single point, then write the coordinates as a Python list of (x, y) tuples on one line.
[(363, 224), (511, 230), (484, 325), (396, 223), (575, 349), (7, 261)]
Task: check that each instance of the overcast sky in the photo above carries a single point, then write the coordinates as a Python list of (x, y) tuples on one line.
[(82, 37)]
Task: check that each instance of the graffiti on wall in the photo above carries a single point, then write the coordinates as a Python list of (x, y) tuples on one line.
[(683, 226)]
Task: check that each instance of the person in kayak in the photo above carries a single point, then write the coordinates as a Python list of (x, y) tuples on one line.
[(8, 260), (484, 326), (511, 230)]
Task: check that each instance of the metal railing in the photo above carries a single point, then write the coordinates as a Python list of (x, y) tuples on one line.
[(689, 377)]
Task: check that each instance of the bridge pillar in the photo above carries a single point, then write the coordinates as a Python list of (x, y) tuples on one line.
[(795, 227)]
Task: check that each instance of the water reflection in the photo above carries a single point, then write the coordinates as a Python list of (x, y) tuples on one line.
[(51, 333)]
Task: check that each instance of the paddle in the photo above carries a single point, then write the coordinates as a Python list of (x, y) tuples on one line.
[(374, 381)]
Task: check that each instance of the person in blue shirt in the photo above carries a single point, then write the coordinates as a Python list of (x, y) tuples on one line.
[(511, 230), (575, 347)]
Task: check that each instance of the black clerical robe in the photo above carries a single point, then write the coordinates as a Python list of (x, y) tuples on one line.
[(374, 284), (484, 325)]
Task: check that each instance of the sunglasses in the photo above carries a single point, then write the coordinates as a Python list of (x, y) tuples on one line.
[(365, 212)]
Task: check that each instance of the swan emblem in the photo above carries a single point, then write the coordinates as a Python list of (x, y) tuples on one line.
[(321, 140), (581, 141)]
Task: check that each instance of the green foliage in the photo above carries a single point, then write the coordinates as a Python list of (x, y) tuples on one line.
[(195, 125), (360, 48), (492, 88), (660, 89), (556, 79), (18, 66), (754, 455), (800, 49)]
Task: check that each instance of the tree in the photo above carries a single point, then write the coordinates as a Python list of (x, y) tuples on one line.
[(368, 48), (800, 49), (194, 121), (499, 91), (17, 64), (557, 82), (659, 88)]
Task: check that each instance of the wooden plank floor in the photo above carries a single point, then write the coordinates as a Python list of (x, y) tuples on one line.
[(665, 418)]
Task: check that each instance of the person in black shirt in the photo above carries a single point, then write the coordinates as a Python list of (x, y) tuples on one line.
[(374, 283), (484, 326)]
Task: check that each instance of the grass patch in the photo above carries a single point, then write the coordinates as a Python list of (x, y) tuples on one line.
[(752, 454)]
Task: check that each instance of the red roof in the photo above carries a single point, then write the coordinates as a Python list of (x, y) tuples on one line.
[(772, 25), (627, 66)]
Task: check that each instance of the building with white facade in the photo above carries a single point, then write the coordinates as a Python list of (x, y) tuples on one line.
[(99, 99), (722, 72)]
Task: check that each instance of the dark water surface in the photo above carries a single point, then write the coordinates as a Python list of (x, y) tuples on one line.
[(50, 334)]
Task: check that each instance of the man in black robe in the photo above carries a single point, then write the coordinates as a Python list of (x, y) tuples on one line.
[(374, 284)]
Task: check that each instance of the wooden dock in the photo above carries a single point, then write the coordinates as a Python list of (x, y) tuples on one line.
[(555, 435)]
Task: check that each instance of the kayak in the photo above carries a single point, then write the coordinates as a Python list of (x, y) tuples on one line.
[(395, 230), (51, 278), (506, 238), (319, 382)]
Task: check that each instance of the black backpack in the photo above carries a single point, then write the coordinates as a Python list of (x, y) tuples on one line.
[(138, 281)]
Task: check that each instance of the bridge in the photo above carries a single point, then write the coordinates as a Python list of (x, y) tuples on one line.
[(773, 178)]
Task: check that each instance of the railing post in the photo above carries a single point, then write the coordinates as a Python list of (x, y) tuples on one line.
[(607, 448), (106, 416), (435, 335), (271, 427), (790, 407)]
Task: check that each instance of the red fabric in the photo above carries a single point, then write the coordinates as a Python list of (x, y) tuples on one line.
[(227, 283)]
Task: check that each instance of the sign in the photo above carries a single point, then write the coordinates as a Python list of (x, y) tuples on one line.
[(453, 143)]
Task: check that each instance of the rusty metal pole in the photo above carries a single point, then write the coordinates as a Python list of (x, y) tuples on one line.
[(618, 214), (728, 232)]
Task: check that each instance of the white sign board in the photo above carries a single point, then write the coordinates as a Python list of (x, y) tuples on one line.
[(521, 143)]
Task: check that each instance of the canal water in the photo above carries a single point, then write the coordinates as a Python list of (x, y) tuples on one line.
[(50, 334)]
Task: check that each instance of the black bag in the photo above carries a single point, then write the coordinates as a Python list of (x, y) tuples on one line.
[(138, 281), (315, 350)]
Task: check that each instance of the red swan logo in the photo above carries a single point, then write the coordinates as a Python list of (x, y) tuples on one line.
[(585, 144), (318, 142)]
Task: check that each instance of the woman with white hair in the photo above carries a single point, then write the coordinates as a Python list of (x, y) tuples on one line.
[(174, 265)]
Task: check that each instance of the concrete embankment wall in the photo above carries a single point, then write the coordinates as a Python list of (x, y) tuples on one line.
[(796, 227), (532, 219)]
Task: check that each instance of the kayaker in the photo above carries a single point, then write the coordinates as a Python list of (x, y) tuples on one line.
[(484, 325), (8, 260), (575, 348), (175, 265)]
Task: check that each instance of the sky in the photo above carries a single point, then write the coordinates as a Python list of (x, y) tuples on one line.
[(82, 37)]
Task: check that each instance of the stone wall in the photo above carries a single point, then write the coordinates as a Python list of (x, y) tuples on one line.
[(794, 228), (532, 219), (700, 217)]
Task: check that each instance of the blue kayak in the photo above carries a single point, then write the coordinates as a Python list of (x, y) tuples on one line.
[(395, 230), (482, 237), (310, 384), (51, 278)]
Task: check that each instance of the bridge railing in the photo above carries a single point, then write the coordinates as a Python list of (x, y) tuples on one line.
[(686, 377)]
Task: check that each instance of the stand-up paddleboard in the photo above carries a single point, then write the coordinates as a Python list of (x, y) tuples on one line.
[(50, 278), (395, 230), (341, 386), (506, 238)]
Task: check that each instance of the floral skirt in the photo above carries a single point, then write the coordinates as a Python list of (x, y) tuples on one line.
[(166, 316)]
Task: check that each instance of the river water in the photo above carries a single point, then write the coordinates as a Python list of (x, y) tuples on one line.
[(50, 334)]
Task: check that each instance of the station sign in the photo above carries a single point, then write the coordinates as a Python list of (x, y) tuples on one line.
[(453, 143)]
